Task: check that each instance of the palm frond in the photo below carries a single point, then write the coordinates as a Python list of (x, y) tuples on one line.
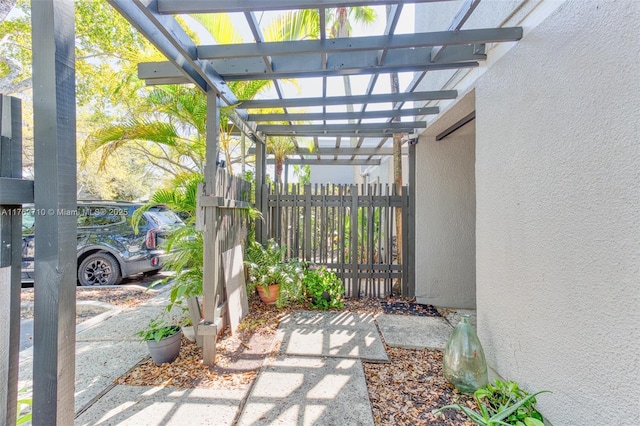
[(297, 25), (220, 27)]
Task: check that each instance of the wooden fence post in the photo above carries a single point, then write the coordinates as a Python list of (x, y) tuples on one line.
[(13, 192), (353, 257), (307, 222)]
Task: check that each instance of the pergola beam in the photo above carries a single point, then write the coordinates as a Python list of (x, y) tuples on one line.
[(341, 63), (306, 128), (328, 116), (343, 133), (329, 162), (354, 44), (343, 100), (230, 6), (342, 151), (383, 69)]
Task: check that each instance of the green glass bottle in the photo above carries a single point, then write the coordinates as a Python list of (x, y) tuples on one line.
[(463, 364)]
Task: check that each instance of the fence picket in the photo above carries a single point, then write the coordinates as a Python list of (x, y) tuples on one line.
[(349, 228)]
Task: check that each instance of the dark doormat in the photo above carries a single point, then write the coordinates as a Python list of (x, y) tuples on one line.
[(409, 308)]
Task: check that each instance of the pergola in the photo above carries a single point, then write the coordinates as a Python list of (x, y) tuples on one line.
[(210, 67), (378, 116)]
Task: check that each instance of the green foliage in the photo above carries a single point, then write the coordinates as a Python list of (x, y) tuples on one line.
[(157, 330), (502, 404), (186, 254), (266, 266), (323, 287), (185, 245), (24, 404), (303, 173), (180, 196)]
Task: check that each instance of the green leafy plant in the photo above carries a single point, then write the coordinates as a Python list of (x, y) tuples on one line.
[(323, 287), (157, 330), (502, 403), (24, 404), (266, 267)]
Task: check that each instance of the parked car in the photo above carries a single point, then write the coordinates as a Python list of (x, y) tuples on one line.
[(108, 247)]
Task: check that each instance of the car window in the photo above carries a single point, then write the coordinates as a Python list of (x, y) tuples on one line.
[(100, 216), (28, 220), (162, 218)]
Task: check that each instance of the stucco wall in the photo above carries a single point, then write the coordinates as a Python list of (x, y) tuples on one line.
[(383, 173), (558, 213), (445, 213)]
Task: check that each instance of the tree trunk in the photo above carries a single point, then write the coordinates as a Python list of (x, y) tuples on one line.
[(279, 167), (397, 162)]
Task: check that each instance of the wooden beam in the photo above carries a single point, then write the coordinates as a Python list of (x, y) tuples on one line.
[(319, 128), (343, 151), (54, 111), (328, 116), (229, 6), (344, 100), (15, 191), (356, 44), (381, 69), (330, 162), (344, 134)]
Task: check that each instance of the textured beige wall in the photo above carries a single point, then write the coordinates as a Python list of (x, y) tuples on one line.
[(445, 213), (558, 213)]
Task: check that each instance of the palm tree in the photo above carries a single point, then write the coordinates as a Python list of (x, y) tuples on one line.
[(280, 147), (340, 20)]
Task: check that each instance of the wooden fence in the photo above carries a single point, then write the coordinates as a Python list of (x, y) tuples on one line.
[(349, 228), (223, 219)]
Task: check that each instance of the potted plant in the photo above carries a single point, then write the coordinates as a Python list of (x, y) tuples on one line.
[(323, 287), (163, 340), (278, 282), (502, 403)]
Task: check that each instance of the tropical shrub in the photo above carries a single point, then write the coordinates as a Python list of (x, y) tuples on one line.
[(323, 287), (266, 266), (502, 403)]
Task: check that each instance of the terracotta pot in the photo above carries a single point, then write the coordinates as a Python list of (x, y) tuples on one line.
[(270, 295)]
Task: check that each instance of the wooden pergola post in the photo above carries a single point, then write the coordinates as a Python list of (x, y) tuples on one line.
[(55, 206), (261, 192), (211, 282)]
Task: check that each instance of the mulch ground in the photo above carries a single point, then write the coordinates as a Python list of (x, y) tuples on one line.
[(403, 391)]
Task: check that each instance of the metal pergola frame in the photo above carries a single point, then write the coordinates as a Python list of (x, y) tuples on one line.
[(209, 68)]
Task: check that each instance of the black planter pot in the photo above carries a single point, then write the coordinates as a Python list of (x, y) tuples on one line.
[(325, 295), (167, 349)]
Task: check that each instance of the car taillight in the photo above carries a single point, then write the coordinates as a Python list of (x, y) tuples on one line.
[(151, 241)]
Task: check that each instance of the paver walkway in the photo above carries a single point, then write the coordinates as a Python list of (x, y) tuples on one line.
[(316, 377)]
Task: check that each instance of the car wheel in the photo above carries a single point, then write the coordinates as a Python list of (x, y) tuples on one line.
[(99, 269)]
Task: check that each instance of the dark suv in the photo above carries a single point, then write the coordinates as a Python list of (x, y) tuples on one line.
[(108, 248)]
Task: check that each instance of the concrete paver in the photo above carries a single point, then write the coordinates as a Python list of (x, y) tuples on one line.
[(317, 377), (337, 334), (309, 391), (414, 332), (152, 406)]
